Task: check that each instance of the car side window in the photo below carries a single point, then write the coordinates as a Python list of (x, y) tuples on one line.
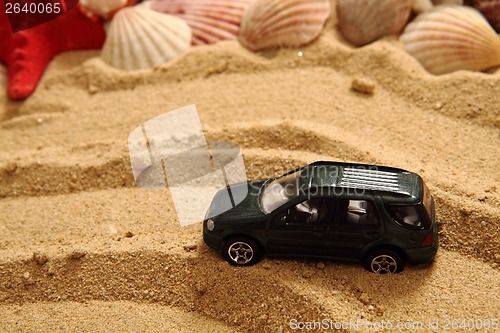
[(356, 213), (309, 212)]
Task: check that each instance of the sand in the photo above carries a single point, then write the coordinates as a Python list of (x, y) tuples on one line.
[(83, 249)]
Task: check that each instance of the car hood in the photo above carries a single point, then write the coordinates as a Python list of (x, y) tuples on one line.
[(247, 208)]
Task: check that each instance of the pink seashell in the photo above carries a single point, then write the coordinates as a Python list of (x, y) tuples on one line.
[(289, 23), (449, 38), (364, 21), (491, 10), (210, 20)]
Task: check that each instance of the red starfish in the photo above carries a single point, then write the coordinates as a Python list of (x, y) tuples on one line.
[(28, 52)]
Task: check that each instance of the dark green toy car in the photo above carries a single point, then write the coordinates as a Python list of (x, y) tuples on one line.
[(380, 216)]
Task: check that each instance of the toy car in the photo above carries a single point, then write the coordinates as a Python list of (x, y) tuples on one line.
[(380, 216)]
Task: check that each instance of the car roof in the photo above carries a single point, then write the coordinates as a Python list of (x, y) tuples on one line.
[(393, 184)]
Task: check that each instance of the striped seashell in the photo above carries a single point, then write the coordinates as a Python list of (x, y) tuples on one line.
[(364, 21), (104, 8), (450, 38), (210, 20), (140, 38), (288, 23), (491, 10)]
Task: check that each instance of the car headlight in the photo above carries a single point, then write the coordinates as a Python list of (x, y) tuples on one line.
[(210, 224)]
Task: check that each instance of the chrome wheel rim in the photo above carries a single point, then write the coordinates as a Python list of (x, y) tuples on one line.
[(240, 252), (384, 264)]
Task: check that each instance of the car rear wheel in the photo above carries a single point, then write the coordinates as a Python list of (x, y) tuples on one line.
[(241, 251), (384, 262)]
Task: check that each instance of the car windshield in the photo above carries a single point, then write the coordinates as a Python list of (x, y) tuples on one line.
[(280, 191)]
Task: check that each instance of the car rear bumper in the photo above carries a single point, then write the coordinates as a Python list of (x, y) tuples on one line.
[(422, 254)]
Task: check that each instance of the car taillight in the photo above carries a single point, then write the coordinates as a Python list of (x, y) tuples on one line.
[(428, 240)]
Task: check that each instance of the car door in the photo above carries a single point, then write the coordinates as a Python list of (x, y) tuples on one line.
[(356, 223), (301, 228)]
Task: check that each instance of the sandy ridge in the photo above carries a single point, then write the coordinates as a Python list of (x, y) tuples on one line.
[(382, 62), (193, 283), (50, 177)]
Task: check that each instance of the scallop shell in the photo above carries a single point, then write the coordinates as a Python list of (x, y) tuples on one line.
[(364, 21), (210, 20), (104, 8), (491, 10), (140, 38), (450, 38), (289, 23)]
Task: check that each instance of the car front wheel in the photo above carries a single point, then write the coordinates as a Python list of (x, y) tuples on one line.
[(241, 251), (384, 262)]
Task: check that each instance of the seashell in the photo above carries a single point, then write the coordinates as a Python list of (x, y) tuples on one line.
[(210, 20), (140, 38), (289, 23), (491, 10), (449, 38), (104, 8), (364, 21)]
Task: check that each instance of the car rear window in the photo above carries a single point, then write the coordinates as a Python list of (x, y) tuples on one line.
[(410, 216), (427, 200)]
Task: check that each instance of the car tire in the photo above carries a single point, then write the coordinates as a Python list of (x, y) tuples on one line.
[(241, 251), (384, 262)]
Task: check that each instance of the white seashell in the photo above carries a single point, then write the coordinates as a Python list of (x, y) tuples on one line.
[(103, 8), (289, 23), (140, 38), (210, 20), (364, 21), (449, 38)]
